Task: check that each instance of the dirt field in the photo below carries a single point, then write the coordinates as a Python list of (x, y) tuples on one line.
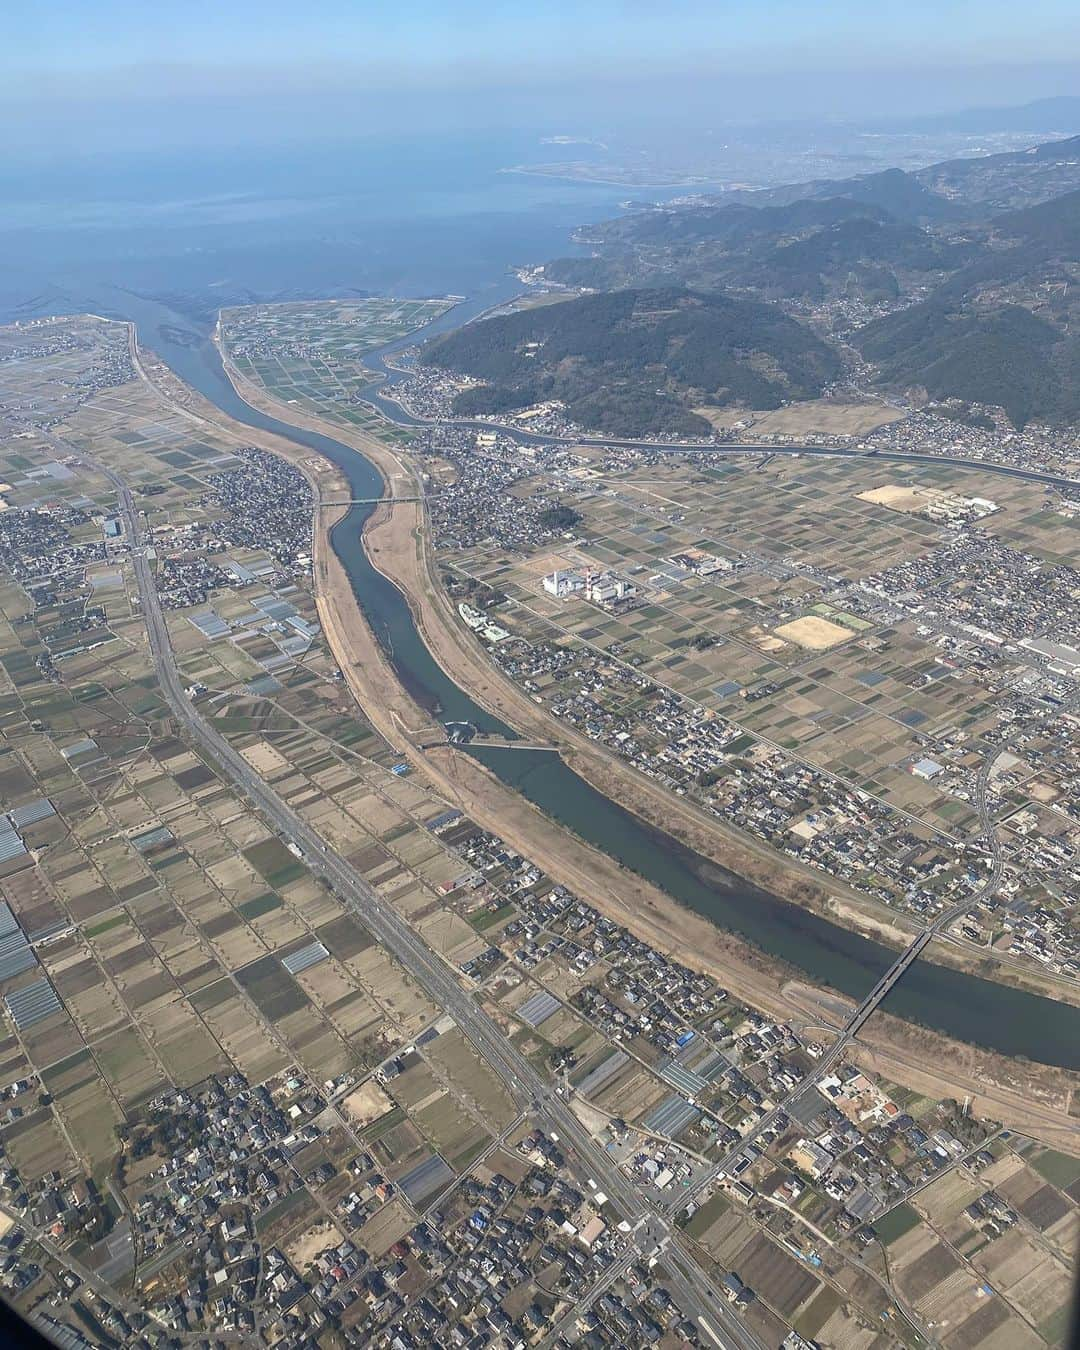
[(814, 633), (303, 1250), (264, 758), (367, 1103), (820, 416), (1034, 1099), (763, 641), (897, 498)]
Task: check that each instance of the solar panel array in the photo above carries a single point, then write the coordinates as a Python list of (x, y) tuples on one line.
[(539, 1008), (265, 684), (32, 1004), (671, 1116), (592, 1082), (433, 1174), (160, 834), (58, 1333), (442, 819), (82, 747), (16, 954), (31, 812), (11, 846), (275, 608), (307, 956), (686, 1080), (294, 646), (50, 930), (210, 625)]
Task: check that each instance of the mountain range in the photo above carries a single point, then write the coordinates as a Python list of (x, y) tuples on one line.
[(956, 281)]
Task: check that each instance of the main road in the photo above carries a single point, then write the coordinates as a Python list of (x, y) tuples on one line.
[(649, 1229), (395, 412)]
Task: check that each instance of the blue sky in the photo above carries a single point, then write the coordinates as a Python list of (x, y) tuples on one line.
[(197, 44)]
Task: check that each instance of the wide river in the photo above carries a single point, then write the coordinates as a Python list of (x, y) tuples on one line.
[(970, 1009)]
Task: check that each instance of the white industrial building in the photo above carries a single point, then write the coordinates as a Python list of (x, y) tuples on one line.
[(604, 587), (560, 584)]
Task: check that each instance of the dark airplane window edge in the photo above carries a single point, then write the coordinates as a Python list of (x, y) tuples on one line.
[(16, 1331)]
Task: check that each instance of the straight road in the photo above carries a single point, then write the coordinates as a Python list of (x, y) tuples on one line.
[(525, 1085)]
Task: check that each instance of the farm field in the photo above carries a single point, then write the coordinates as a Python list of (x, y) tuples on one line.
[(310, 354), (187, 945), (744, 642), (207, 1050)]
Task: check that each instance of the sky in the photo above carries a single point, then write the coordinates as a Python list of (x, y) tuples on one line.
[(463, 60), (207, 39)]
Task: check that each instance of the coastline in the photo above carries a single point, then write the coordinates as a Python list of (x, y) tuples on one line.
[(702, 184), (1035, 1097)]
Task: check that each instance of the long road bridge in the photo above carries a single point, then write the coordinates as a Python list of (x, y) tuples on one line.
[(375, 501), (859, 1016)]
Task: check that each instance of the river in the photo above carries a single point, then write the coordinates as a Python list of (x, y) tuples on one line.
[(979, 1011)]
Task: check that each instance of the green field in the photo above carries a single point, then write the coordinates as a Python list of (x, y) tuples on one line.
[(896, 1223)]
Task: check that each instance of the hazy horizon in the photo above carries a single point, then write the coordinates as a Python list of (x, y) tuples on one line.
[(134, 75)]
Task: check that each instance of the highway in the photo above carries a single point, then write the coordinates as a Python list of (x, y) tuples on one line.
[(399, 416), (529, 1090), (903, 456)]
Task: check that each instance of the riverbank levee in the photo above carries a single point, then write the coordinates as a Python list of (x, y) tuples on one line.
[(413, 633), (642, 903), (842, 736)]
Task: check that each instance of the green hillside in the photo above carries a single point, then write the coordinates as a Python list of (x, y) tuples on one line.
[(634, 362), (1006, 357)]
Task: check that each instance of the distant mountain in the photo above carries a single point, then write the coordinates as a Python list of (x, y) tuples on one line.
[(900, 194), (976, 258), (736, 223), (1042, 117), (635, 362), (808, 249), (987, 183), (1001, 330), (955, 190)]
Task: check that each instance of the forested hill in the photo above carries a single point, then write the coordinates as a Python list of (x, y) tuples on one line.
[(960, 280), (875, 237), (635, 362), (1017, 178), (809, 249), (1001, 331), (1005, 356), (1053, 226)]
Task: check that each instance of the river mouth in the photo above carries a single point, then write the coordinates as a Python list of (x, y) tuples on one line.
[(963, 1007)]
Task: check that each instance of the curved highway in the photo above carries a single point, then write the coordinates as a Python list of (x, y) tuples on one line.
[(373, 396)]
